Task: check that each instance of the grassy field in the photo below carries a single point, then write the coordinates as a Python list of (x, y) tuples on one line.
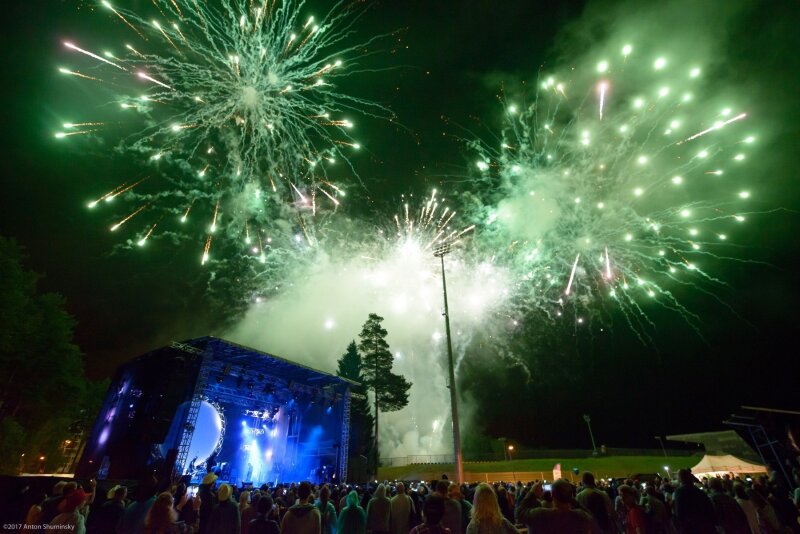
[(606, 466)]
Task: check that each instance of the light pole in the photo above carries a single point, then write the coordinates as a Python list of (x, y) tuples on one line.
[(661, 440), (511, 458), (440, 253), (589, 424)]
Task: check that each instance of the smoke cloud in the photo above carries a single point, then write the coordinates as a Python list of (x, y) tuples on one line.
[(313, 319)]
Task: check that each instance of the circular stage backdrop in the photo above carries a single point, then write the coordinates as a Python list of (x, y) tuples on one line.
[(207, 433)]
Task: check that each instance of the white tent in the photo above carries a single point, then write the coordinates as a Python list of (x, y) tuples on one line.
[(714, 465)]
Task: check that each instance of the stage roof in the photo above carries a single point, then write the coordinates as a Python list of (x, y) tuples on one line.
[(719, 442), (255, 361)]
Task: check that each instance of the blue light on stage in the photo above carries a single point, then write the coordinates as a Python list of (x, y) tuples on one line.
[(103, 436), (207, 434)]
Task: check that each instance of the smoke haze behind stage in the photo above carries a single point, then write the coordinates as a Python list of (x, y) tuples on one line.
[(208, 404)]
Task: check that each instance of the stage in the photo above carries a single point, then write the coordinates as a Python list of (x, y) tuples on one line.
[(209, 404)]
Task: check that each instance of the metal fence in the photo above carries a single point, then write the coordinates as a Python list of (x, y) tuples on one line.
[(529, 454)]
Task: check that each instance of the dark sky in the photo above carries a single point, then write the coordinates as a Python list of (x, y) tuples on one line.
[(126, 303)]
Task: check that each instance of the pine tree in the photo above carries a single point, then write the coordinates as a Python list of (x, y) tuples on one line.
[(361, 438), (390, 390)]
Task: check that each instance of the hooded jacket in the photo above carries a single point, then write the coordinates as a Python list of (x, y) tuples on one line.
[(225, 518), (352, 519), (302, 519)]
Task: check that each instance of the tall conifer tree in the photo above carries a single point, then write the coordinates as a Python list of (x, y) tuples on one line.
[(390, 390)]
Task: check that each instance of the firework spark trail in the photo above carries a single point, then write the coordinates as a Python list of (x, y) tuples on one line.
[(245, 94), (574, 185), (120, 189), (128, 218), (206, 250), (143, 240), (78, 74), (716, 126), (572, 274), (602, 90), (61, 135), (144, 76), (92, 55), (428, 230)]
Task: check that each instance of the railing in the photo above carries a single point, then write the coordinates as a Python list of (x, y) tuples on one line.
[(529, 454)]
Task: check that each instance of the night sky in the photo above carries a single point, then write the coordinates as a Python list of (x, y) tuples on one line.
[(448, 62)]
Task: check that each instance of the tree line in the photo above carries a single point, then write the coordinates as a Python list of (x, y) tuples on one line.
[(46, 400)]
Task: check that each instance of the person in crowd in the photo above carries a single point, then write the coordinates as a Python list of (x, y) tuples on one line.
[(379, 510), (658, 514), (749, 509), (50, 505), (72, 513), (244, 510), (344, 494), (796, 493), (34, 514), (433, 511), (506, 507), (521, 493), (352, 518), (225, 518), (778, 497), (366, 494), (303, 517), (327, 512), (335, 498), (597, 503), (418, 495), (106, 518), (251, 512), (636, 518), (562, 517), (620, 511), (342, 498), (132, 520), (184, 505), (454, 492), (729, 514), (486, 517), (162, 518), (208, 500), (694, 513), (263, 523), (402, 510), (292, 494), (530, 502), (452, 509), (768, 522)]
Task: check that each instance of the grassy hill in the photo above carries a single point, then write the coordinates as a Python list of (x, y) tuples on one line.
[(602, 467)]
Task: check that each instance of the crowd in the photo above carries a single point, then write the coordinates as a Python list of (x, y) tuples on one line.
[(686, 505)]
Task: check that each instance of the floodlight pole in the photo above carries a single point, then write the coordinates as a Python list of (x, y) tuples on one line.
[(661, 440), (440, 253), (591, 435)]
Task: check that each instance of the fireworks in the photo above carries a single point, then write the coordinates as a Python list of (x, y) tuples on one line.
[(234, 105), (429, 226), (619, 183), (388, 266)]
